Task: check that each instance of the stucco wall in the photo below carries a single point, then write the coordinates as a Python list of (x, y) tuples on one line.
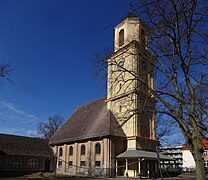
[(188, 160)]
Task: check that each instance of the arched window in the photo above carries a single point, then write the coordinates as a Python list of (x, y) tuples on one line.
[(60, 151), (120, 65), (83, 150), (142, 36), (32, 163), (15, 163), (120, 108), (121, 37), (70, 151), (97, 148)]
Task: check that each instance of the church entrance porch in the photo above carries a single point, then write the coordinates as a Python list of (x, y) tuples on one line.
[(136, 168), (138, 163)]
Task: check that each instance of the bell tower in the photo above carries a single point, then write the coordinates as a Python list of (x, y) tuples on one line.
[(131, 83)]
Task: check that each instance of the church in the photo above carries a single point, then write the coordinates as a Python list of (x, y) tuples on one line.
[(115, 135)]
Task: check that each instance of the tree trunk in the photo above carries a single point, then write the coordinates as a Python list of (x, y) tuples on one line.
[(200, 175), (200, 169)]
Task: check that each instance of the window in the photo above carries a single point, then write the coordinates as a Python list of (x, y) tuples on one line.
[(1, 164), (15, 163), (82, 163), (144, 65), (70, 163), (97, 148), (120, 108), (121, 37), (120, 65), (70, 151), (60, 151), (60, 163), (142, 36), (97, 163), (83, 150), (32, 163), (205, 153), (205, 163)]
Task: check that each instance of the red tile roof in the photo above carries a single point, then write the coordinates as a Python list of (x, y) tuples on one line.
[(204, 141)]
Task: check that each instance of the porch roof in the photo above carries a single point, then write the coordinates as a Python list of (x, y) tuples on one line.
[(132, 154)]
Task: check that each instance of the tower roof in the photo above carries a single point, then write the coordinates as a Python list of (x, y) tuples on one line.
[(131, 15)]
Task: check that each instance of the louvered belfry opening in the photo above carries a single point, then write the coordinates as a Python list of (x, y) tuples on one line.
[(121, 37)]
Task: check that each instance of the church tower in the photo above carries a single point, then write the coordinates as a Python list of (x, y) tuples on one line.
[(131, 84)]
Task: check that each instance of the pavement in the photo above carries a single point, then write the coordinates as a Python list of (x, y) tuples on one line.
[(65, 177)]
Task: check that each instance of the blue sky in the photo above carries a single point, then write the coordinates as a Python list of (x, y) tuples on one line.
[(49, 45)]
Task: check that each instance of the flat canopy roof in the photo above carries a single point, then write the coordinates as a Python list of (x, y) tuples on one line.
[(132, 154)]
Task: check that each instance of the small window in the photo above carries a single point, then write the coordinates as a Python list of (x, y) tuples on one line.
[(82, 163), (144, 65), (97, 163), (60, 163), (97, 148), (120, 108), (15, 163), (1, 164), (120, 65), (70, 163), (121, 37), (60, 151), (70, 151), (83, 150), (32, 163)]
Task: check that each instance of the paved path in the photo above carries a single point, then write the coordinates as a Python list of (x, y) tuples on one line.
[(64, 177)]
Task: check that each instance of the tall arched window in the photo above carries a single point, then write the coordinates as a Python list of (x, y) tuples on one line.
[(97, 148), (142, 36), (70, 151), (60, 151), (83, 150), (121, 37)]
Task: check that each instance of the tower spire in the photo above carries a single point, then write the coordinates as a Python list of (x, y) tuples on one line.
[(130, 7)]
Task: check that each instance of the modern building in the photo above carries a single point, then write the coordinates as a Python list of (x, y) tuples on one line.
[(176, 152), (22, 155), (183, 157), (115, 135)]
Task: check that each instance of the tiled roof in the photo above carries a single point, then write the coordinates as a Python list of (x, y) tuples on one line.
[(20, 145), (92, 120), (204, 142)]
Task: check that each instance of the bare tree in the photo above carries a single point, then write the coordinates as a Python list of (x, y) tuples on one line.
[(178, 39), (4, 71), (47, 129), (166, 127)]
